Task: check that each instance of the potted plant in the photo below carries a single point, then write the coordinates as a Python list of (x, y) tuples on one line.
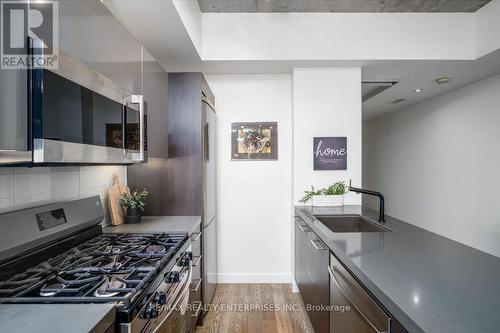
[(134, 203), (332, 195)]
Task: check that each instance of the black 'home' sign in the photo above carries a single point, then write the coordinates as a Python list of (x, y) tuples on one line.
[(330, 153)]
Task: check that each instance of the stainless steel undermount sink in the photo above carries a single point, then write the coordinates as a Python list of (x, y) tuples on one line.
[(350, 223)]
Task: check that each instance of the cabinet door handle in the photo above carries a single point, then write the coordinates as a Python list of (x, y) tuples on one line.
[(198, 284), (331, 271), (318, 245), (304, 228), (195, 236), (197, 261)]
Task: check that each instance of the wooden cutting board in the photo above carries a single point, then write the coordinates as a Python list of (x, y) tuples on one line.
[(116, 211)]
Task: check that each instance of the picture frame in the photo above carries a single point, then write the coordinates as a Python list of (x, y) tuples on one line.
[(254, 141), (330, 153)]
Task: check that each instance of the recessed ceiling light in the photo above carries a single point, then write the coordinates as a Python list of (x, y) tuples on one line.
[(442, 80), (418, 90)]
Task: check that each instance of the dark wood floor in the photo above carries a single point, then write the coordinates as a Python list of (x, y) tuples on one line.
[(252, 308)]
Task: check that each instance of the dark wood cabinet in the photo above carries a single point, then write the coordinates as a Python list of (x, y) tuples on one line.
[(311, 262), (299, 235)]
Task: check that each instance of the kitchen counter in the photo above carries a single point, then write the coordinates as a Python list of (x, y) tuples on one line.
[(158, 224), (68, 318), (429, 283)]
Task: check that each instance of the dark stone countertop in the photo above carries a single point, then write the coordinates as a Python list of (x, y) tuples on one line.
[(429, 283), (68, 318)]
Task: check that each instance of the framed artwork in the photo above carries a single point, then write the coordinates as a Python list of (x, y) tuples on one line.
[(330, 153), (254, 141)]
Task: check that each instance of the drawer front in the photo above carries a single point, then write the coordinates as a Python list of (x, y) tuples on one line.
[(196, 286), (365, 311), (316, 282)]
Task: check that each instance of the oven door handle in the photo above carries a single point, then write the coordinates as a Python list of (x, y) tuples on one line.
[(139, 100), (183, 294)]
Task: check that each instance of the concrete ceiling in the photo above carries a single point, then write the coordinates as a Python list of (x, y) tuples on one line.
[(339, 6)]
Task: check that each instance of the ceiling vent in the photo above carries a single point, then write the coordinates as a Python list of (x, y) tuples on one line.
[(371, 88)]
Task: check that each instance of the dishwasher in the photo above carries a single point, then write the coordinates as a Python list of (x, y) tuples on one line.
[(352, 309)]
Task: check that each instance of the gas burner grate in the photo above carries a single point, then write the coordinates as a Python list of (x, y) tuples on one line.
[(110, 267)]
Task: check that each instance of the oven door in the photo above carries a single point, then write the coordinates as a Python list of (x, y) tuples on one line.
[(81, 117), (179, 316)]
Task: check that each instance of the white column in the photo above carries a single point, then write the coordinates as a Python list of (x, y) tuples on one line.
[(326, 102)]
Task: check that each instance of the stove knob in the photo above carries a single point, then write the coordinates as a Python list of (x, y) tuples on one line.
[(189, 254), (160, 298), (173, 277), (150, 312), (184, 260)]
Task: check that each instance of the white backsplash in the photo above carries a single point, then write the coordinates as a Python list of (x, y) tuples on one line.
[(27, 187)]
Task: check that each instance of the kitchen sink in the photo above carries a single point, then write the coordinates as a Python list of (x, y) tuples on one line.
[(354, 223)]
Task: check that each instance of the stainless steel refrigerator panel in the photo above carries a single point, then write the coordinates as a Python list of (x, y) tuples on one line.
[(210, 196), (209, 261), (209, 239)]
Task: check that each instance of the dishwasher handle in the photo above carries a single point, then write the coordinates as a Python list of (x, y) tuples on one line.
[(331, 271)]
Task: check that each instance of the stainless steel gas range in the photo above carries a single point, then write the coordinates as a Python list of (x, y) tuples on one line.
[(58, 254)]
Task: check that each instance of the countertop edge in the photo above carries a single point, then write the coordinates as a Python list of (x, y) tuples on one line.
[(157, 224)]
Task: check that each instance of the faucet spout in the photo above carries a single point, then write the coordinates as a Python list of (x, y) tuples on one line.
[(381, 217)]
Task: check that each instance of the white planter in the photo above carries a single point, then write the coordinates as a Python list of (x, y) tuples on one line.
[(327, 200)]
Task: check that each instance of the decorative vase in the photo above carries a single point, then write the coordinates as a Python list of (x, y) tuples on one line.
[(327, 200), (133, 216)]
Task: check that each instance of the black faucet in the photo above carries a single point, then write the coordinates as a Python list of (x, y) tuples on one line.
[(381, 216)]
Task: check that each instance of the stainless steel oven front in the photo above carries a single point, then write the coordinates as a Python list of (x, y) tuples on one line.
[(79, 116)]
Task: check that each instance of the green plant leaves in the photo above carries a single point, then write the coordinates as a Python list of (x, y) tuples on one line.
[(338, 188), (134, 200)]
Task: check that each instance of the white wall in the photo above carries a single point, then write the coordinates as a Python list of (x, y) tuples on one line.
[(438, 164), (337, 36), (254, 206), (326, 102), (28, 187)]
